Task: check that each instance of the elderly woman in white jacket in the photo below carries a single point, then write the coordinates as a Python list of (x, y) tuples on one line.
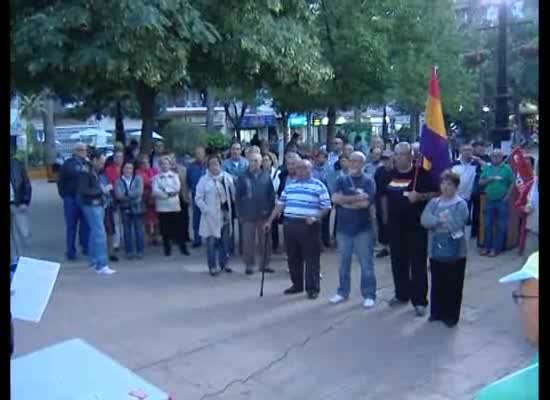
[(166, 189), (214, 197)]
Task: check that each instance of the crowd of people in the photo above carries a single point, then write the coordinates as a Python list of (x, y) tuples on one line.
[(384, 203)]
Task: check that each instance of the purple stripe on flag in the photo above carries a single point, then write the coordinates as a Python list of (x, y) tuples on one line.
[(436, 149)]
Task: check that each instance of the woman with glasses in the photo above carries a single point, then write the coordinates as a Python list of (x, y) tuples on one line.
[(445, 218)]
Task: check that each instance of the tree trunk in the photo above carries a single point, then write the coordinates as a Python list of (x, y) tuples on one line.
[(309, 130), (120, 135), (415, 115), (357, 115), (236, 119), (49, 130), (384, 125), (209, 97), (331, 127), (146, 97)]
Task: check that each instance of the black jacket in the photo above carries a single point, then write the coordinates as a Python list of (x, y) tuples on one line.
[(67, 183), (254, 197), (89, 188), (22, 189)]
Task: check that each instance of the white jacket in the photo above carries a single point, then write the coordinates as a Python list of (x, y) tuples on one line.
[(164, 183), (532, 224), (207, 199)]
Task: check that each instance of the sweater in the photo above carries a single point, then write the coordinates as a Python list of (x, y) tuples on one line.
[(432, 220), (166, 189)]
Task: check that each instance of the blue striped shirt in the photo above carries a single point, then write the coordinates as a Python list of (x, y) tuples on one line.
[(304, 198)]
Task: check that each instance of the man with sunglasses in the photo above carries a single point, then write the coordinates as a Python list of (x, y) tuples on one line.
[(522, 384)]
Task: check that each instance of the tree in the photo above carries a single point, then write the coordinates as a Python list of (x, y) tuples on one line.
[(137, 44)]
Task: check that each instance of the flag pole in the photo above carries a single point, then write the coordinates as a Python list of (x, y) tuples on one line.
[(417, 168)]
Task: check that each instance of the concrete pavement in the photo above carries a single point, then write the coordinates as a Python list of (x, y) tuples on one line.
[(199, 337)]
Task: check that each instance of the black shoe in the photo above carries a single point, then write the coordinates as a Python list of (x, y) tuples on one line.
[(268, 270), (113, 258), (396, 302), (72, 258), (214, 272), (167, 252), (184, 251), (450, 324), (433, 319), (383, 253), (293, 290), (312, 295), (195, 245), (227, 269), (249, 271)]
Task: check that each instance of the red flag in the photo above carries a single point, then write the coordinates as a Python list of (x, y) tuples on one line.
[(524, 177)]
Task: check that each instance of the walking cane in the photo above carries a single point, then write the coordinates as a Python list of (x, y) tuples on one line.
[(264, 262)]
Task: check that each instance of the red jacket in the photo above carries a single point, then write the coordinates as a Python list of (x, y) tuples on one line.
[(112, 172)]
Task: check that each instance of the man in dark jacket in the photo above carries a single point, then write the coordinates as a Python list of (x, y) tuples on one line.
[(194, 173), (20, 198), (255, 200), (67, 186), (91, 195)]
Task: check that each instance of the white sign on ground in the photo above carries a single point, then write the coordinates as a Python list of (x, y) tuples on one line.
[(32, 287), (74, 370)]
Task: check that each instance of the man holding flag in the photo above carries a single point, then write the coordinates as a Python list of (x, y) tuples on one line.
[(410, 188)]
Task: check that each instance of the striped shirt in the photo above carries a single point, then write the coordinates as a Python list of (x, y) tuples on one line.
[(304, 198)]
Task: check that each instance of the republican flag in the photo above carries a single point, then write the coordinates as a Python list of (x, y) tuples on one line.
[(434, 143)]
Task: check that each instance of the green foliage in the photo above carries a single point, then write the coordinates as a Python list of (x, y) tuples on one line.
[(183, 137), (364, 129), (217, 142)]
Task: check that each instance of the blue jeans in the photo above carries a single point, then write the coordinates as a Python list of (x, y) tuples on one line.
[(74, 219), (97, 244), (134, 234), (495, 215), (362, 244), (196, 222), (217, 247)]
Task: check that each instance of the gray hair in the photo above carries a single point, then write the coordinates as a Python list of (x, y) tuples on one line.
[(360, 155), (402, 147)]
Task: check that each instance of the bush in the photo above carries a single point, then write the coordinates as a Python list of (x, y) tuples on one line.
[(183, 137), (363, 129), (217, 142)]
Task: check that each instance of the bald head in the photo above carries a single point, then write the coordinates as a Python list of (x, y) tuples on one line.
[(80, 149), (403, 156), (497, 156), (356, 163), (303, 169)]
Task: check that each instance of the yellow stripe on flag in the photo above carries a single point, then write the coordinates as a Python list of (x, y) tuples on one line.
[(434, 117)]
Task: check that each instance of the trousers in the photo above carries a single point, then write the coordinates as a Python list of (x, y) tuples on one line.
[(303, 249)]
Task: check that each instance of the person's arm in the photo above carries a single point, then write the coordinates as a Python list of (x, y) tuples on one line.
[(200, 196), (277, 210), (370, 191), (158, 192), (484, 178), (428, 219), (120, 190), (84, 188), (136, 190), (458, 217)]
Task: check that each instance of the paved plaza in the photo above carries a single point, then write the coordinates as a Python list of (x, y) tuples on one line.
[(201, 337)]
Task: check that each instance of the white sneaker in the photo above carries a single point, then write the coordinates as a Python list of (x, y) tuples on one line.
[(106, 271), (337, 299), (368, 303)]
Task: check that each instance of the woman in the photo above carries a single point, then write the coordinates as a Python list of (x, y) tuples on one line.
[(129, 194), (109, 216), (150, 218), (269, 165), (445, 217), (166, 189), (214, 197)]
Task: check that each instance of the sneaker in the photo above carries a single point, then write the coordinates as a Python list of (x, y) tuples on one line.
[(105, 271), (483, 252), (293, 290), (227, 269), (337, 299), (368, 303), (249, 271), (493, 254), (214, 271), (113, 258), (420, 311), (312, 295), (383, 253)]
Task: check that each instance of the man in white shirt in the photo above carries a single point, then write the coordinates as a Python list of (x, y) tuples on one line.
[(468, 169)]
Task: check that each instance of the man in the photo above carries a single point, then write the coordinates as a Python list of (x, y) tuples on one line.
[(304, 202), (195, 171), (407, 194), (374, 162), (532, 223), (320, 171), (348, 149), (183, 198), (468, 170), (481, 158), (20, 198), (235, 166), (156, 154), (497, 180), (522, 384), (255, 200), (337, 149), (264, 148), (353, 198), (91, 195), (382, 177), (113, 172), (67, 186)]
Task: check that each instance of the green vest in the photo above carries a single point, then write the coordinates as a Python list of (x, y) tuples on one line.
[(521, 385)]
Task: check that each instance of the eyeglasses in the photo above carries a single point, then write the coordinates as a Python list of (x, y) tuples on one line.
[(518, 297)]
